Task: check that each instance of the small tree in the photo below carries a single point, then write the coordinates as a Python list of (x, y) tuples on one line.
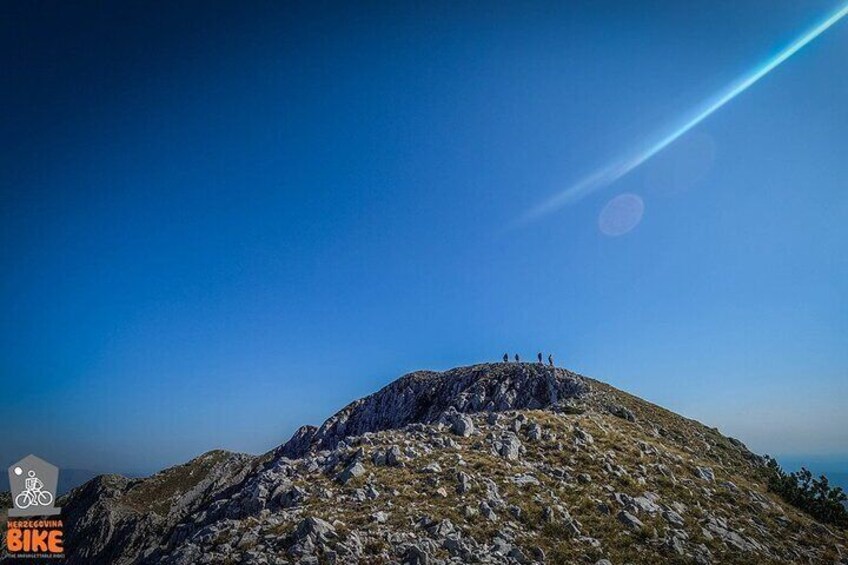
[(814, 496)]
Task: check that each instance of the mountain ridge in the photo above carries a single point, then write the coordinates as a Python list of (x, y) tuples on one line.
[(491, 463)]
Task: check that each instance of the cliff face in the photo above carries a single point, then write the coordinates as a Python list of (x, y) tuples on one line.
[(421, 397), (505, 463)]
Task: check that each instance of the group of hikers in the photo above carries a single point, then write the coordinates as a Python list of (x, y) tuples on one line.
[(538, 356)]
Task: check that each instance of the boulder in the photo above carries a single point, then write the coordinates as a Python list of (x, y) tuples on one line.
[(621, 412), (355, 469), (462, 425), (630, 520), (508, 446), (314, 529), (705, 473)]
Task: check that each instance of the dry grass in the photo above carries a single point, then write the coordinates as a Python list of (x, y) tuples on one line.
[(158, 493), (614, 438)]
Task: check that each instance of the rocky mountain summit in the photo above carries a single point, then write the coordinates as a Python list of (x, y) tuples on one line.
[(494, 463), (423, 396)]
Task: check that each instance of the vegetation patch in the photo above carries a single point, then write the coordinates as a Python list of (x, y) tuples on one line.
[(803, 491)]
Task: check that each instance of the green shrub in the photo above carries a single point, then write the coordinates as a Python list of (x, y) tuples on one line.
[(814, 496)]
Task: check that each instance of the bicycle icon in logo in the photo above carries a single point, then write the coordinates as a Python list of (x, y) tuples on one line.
[(33, 495), (33, 483)]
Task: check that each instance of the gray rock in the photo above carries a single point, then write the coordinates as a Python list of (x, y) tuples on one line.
[(623, 499), (416, 555), (379, 517), (442, 529), (355, 469), (518, 555), (703, 556), (676, 544), (378, 458), (630, 520), (292, 497), (705, 473), (719, 528), (583, 436), (315, 529), (559, 515), (425, 522), (248, 540), (621, 412), (508, 446), (462, 425), (487, 512), (393, 456), (664, 471), (463, 483), (590, 541), (371, 492), (525, 479), (432, 468), (501, 546), (645, 505), (534, 432), (673, 518)]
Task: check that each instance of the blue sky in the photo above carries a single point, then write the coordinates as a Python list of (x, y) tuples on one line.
[(218, 223)]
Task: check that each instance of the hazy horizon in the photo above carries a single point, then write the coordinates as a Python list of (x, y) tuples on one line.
[(219, 222), (833, 464)]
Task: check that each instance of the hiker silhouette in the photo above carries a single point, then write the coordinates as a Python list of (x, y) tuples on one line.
[(517, 359), (551, 360), (506, 358)]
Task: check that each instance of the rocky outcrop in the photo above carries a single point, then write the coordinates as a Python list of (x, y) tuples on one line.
[(299, 443), (112, 519), (423, 396)]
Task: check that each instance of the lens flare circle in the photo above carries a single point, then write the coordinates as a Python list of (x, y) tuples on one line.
[(621, 215)]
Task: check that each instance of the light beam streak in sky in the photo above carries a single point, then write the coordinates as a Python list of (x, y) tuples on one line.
[(611, 173)]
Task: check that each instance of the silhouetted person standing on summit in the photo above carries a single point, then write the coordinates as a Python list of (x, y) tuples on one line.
[(517, 359), (539, 357), (506, 358), (551, 360)]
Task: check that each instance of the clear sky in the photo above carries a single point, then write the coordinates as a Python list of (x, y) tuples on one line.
[(221, 221)]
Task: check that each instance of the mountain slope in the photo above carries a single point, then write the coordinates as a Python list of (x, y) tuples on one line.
[(500, 463)]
